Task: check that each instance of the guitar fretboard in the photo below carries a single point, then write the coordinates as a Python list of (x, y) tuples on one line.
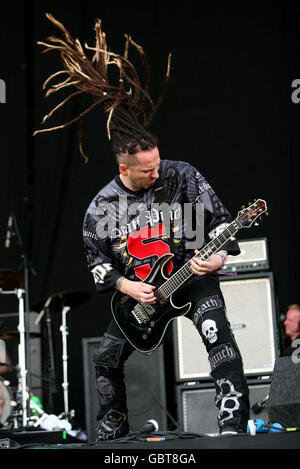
[(184, 273)]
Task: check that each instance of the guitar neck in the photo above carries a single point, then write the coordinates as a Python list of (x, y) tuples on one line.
[(184, 273)]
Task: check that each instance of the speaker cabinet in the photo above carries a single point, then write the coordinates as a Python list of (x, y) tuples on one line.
[(250, 305), (253, 257), (197, 411), (284, 400), (145, 382)]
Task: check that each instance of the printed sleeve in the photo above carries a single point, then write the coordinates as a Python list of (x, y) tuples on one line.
[(216, 216), (98, 255)]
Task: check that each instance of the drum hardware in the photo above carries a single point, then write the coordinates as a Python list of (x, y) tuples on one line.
[(65, 385), (17, 283), (22, 379), (65, 301), (6, 402), (12, 418), (58, 300), (52, 389), (61, 302), (18, 415)]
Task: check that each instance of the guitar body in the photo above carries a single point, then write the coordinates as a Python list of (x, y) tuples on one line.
[(144, 325)]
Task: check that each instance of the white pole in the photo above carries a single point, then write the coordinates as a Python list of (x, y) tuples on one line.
[(65, 384), (22, 357)]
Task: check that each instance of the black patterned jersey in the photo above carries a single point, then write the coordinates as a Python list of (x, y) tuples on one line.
[(125, 232)]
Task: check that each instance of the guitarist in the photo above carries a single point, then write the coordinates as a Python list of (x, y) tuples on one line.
[(117, 261), (121, 255), (121, 245)]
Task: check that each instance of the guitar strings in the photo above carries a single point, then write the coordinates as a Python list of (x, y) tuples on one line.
[(166, 290), (184, 272)]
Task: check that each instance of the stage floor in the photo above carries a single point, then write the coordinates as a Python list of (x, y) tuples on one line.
[(181, 444)]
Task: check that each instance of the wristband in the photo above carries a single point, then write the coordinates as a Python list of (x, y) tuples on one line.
[(118, 282), (223, 258)]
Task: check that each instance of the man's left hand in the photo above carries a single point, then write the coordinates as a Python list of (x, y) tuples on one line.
[(200, 267)]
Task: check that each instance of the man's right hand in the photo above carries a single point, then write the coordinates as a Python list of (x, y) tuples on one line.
[(140, 291)]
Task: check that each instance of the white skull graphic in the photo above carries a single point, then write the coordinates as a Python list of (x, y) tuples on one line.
[(209, 330)]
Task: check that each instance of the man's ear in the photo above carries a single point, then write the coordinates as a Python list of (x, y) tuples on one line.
[(123, 169)]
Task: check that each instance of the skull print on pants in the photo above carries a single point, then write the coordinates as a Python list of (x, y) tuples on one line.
[(209, 330)]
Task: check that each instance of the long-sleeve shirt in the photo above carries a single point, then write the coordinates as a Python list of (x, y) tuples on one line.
[(124, 232)]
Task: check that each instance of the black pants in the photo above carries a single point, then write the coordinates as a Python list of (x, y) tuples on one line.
[(209, 317)]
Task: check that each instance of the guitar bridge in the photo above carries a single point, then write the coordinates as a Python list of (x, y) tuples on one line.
[(142, 313)]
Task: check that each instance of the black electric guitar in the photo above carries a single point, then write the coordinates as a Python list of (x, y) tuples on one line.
[(144, 325)]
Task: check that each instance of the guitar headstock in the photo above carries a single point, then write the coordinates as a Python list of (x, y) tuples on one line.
[(248, 215)]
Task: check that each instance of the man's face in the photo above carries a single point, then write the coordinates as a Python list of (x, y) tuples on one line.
[(144, 172), (291, 323)]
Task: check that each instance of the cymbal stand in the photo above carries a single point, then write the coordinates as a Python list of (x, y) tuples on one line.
[(22, 358), (65, 384), (23, 296), (51, 367), (27, 269)]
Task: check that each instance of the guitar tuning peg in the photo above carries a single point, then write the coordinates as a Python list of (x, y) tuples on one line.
[(249, 203), (267, 213), (256, 224), (243, 206)]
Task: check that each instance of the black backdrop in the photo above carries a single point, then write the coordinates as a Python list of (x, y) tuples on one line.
[(228, 111)]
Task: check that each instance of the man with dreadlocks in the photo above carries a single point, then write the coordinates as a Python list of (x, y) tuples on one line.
[(121, 257)]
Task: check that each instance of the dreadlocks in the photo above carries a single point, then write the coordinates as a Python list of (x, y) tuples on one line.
[(124, 104)]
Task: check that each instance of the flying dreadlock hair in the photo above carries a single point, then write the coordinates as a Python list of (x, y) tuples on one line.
[(124, 104)]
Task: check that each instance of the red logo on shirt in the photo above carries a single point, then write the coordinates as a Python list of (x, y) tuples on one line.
[(141, 245)]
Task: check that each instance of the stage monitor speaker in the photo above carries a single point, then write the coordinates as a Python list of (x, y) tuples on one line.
[(284, 399), (197, 411), (145, 382), (250, 305), (253, 257)]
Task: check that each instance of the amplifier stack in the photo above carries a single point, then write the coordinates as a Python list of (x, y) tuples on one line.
[(251, 310)]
